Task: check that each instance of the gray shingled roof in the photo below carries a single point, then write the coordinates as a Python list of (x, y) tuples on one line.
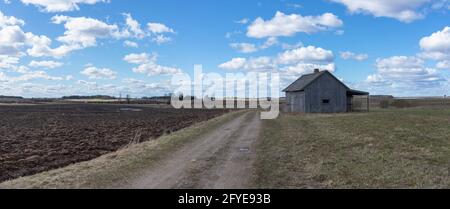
[(303, 81)]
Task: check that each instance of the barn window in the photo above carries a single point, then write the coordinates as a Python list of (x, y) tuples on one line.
[(326, 101)]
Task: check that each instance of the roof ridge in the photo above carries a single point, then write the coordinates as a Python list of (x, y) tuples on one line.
[(305, 76)]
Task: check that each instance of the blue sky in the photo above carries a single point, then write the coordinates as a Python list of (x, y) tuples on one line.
[(64, 47)]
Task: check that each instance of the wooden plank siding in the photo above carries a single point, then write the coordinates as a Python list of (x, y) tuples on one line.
[(323, 88)]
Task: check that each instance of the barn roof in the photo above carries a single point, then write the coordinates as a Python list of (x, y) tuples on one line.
[(301, 83)]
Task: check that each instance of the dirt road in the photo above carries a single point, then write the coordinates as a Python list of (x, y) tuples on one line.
[(222, 158)]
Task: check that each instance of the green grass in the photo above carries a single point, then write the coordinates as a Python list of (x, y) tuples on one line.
[(107, 170), (407, 148)]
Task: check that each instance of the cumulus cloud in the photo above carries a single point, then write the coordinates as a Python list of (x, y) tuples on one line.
[(350, 55), (160, 39), (10, 21), (14, 42), (294, 71), (131, 44), (99, 73), (12, 39), (83, 31), (443, 64), (403, 70), (250, 48), (291, 58), (402, 10), (27, 76), (148, 65), (6, 62), (140, 58), (234, 64), (45, 64), (244, 47), (263, 63), (437, 45), (158, 28), (290, 63), (288, 25), (60, 5), (133, 27), (306, 54)]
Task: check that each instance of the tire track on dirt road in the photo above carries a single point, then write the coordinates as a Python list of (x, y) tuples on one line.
[(222, 158)]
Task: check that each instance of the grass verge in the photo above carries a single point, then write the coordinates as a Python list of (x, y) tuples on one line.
[(105, 171), (407, 148)]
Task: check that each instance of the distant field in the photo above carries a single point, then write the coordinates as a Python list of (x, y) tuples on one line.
[(399, 148)]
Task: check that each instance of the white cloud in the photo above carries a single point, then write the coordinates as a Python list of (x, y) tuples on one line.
[(244, 47), (437, 45), (148, 65), (295, 71), (230, 34), (10, 21), (12, 39), (139, 58), (263, 63), (234, 64), (402, 10), (300, 59), (99, 73), (443, 64), (160, 39), (402, 70), (43, 50), (290, 64), (158, 28), (250, 48), (131, 44), (84, 32), (243, 21), (271, 41), (289, 25), (405, 76), (7, 62), (60, 5), (45, 64), (27, 76), (350, 55), (133, 27), (306, 54), (438, 41), (287, 46), (399, 62), (152, 69)]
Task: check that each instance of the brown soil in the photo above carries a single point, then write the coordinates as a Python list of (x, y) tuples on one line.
[(44, 137)]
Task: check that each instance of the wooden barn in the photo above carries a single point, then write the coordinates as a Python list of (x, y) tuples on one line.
[(320, 92)]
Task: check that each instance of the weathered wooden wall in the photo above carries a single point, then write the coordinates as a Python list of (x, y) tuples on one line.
[(295, 101), (325, 87)]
